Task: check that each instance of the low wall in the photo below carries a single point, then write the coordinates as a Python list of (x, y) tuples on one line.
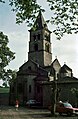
[(4, 98)]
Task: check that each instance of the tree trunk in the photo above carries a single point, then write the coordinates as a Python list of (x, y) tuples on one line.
[(54, 100)]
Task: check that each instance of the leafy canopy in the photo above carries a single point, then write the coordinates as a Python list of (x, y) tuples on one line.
[(64, 14), (6, 55), (75, 91), (2, 1)]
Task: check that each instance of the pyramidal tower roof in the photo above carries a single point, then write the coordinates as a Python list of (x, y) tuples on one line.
[(40, 23)]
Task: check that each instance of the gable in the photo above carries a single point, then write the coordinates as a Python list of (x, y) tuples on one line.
[(29, 65), (66, 68), (66, 71), (56, 65)]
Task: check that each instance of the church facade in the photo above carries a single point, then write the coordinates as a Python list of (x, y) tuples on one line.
[(35, 77)]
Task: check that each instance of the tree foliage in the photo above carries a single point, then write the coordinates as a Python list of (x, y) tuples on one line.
[(2, 1), (64, 14), (6, 55), (9, 77), (75, 91)]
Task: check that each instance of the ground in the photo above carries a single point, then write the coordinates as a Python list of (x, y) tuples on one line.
[(7, 112)]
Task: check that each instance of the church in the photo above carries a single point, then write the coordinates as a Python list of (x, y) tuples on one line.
[(35, 77)]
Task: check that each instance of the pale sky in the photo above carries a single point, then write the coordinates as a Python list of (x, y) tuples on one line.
[(66, 49)]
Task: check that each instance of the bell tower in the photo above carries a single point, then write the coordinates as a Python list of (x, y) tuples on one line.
[(39, 44)]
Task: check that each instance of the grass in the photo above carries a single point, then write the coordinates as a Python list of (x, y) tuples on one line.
[(4, 90)]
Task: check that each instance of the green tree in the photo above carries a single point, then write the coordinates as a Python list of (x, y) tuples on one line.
[(2, 1), (6, 55), (10, 76), (75, 91), (64, 14)]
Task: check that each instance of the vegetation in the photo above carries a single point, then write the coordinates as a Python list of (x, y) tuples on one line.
[(64, 14), (4, 90), (6, 55), (75, 91)]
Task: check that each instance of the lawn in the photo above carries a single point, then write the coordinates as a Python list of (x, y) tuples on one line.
[(4, 90)]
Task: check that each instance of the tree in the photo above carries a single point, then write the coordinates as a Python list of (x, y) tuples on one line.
[(2, 1), (64, 14), (6, 55), (75, 91), (10, 76)]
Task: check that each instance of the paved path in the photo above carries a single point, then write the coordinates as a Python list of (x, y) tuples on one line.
[(24, 113)]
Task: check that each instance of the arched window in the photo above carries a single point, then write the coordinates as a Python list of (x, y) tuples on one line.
[(47, 47), (34, 37), (36, 47), (47, 37), (29, 88), (38, 36), (29, 67)]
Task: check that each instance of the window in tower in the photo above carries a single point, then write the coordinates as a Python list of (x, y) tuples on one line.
[(38, 36), (29, 88), (47, 36), (34, 37), (47, 47), (36, 47), (29, 67), (12, 89)]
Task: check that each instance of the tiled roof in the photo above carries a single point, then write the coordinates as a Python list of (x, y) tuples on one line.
[(40, 23), (68, 79), (64, 69)]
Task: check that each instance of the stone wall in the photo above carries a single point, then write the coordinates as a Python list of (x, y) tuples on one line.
[(4, 98)]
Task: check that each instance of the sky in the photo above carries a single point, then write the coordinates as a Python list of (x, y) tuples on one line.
[(66, 49)]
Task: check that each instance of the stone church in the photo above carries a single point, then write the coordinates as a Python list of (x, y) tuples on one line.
[(35, 77)]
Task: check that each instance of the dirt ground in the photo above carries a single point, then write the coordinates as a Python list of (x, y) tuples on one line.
[(25, 113)]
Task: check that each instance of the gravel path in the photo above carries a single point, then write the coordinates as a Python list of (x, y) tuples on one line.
[(24, 113)]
